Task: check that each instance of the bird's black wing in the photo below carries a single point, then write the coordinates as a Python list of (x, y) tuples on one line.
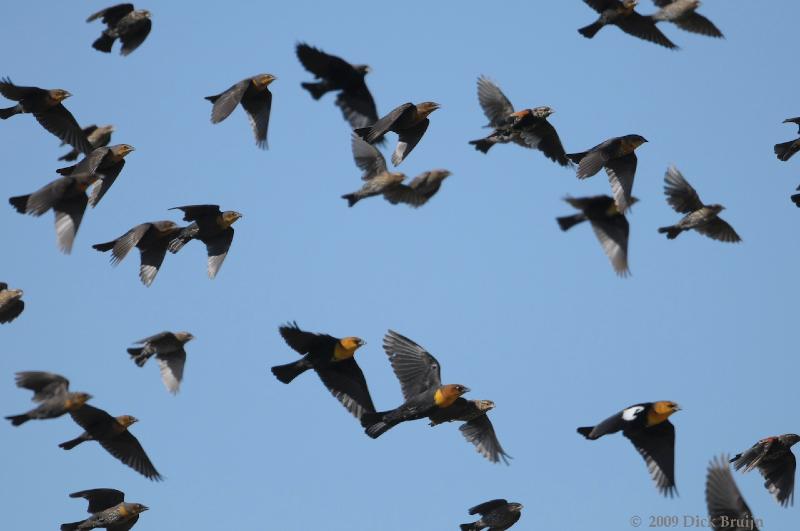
[(367, 158), (109, 175), (612, 233), (304, 342), (488, 506), (112, 15), (417, 370), (375, 132), (321, 64), (358, 106), (135, 35), (656, 444), (723, 497), (621, 172), (217, 248), (89, 418), (779, 476), (127, 449), (681, 196), (197, 212), (408, 139), (345, 380), (545, 138), (100, 499), (59, 121), (225, 103), (258, 110), (480, 432), (643, 28)]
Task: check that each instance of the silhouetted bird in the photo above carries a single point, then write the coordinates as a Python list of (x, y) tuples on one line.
[(496, 515), (212, 227), (256, 99), (108, 510), (409, 121), (168, 348), (786, 150), (623, 15), (152, 240), (131, 26)]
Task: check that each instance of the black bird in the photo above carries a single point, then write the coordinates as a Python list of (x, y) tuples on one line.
[(212, 227), (104, 162), (256, 99), (152, 240), (168, 348), (97, 137), (334, 73), (131, 26), (108, 509), (623, 15), (786, 150), (409, 121), (727, 510), (496, 515)]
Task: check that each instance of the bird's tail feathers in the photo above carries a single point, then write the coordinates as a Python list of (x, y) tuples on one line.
[(591, 30), (71, 526), (374, 425), (671, 232), (470, 527), (20, 202), (576, 157), (18, 420), (138, 358), (483, 145), (352, 199), (567, 222), (103, 43), (783, 151), (69, 157), (10, 111), (103, 247), (317, 90), (290, 371), (586, 431), (72, 443)]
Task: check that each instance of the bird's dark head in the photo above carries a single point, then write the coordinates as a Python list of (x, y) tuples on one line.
[(635, 140), (789, 439), (229, 217), (79, 399), (542, 112), (59, 94), (263, 80), (439, 174), (716, 208), (184, 337), (122, 150), (137, 508), (515, 507), (427, 107), (630, 4), (484, 405), (362, 69)]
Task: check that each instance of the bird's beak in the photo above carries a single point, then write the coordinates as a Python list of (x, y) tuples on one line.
[(145, 508), (467, 390), (362, 343)]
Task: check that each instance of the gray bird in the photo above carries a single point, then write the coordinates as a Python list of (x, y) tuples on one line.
[(152, 240), (97, 137), (700, 217), (683, 13), (108, 509), (51, 391), (131, 26), (168, 348), (11, 303), (727, 509)]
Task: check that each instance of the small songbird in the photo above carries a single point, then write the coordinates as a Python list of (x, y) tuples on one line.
[(409, 121), (336, 74), (786, 150), (609, 225), (527, 128), (52, 392), (420, 379), (773, 457), (648, 427), (419, 191), (727, 510), (152, 240), (683, 13), (378, 179), (11, 303), (113, 435), (618, 157), (622, 14), (477, 428), (106, 163), (131, 26), (97, 137), (700, 217), (168, 348), (496, 515), (212, 227), (108, 509), (333, 359), (46, 106), (256, 99)]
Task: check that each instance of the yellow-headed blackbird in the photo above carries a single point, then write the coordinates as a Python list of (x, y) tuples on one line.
[(609, 225), (131, 26), (67, 197), (496, 515), (618, 157), (648, 428), (419, 190), (683, 13), (702, 218), (335, 73), (727, 509), (152, 240), (104, 162), (772, 457), (11, 303), (97, 137), (420, 380), (477, 427), (622, 14), (108, 510), (409, 121), (785, 150), (378, 178), (256, 99), (212, 227), (46, 107), (52, 393), (113, 435), (333, 360), (528, 128), (168, 350)]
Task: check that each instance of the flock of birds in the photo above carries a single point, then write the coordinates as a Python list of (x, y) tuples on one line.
[(85, 183)]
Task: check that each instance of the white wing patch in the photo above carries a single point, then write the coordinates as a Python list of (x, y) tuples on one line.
[(631, 413)]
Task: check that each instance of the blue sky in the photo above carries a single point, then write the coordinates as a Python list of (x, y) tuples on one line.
[(523, 314)]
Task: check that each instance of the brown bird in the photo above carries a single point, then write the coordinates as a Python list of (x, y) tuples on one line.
[(409, 121), (618, 157), (786, 150), (152, 240), (623, 15), (113, 435), (97, 137), (421, 188), (106, 163), (256, 99), (683, 13), (527, 128), (131, 26), (700, 217), (108, 509), (727, 510), (212, 227), (496, 515), (51, 391), (334, 73), (477, 428), (11, 303), (610, 227), (46, 107), (67, 197), (168, 348), (773, 457), (378, 179)]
